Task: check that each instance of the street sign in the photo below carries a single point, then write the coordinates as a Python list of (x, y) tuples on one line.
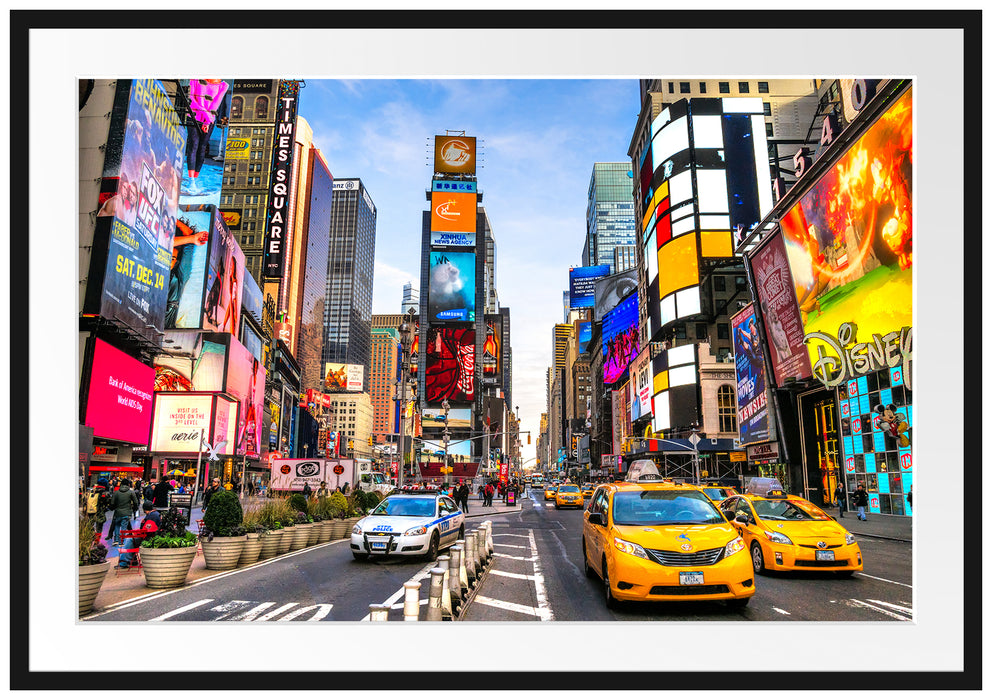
[(694, 439)]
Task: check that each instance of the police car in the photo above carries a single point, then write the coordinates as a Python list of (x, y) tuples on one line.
[(409, 523)]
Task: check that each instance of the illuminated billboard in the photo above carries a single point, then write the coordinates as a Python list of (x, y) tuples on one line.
[(444, 239), (245, 380), (454, 154), (450, 365), (206, 139), (451, 295), (610, 290), (225, 280), (136, 215), (621, 340), (277, 218), (752, 396), (453, 212), (454, 186), (849, 239), (492, 348), (582, 285), (675, 401), (341, 377), (195, 363), (178, 420), (119, 401), (640, 385), (584, 334)]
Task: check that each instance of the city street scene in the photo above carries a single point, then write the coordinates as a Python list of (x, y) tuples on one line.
[(501, 351)]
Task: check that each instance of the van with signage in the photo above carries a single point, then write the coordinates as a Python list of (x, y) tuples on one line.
[(292, 474)]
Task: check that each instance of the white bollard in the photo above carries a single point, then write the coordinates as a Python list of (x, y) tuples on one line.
[(411, 601), (470, 561), (462, 568), (454, 580), (378, 612), (489, 538), (480, 548), (434, 596), (444, 563)]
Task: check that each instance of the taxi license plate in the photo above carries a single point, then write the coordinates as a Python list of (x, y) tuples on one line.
[(824, 556), (690, 578), (378, 545)]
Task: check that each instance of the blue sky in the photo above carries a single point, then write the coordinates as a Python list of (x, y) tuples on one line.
[(539, 140)]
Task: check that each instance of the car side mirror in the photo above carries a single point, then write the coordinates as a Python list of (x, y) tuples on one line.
[(597, 519), (729, 515), (743, 519)]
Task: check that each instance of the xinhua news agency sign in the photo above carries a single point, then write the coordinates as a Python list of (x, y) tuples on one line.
[(277, 228)]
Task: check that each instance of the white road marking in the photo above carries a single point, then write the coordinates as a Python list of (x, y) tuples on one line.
[(250, 615), (542, 598), (898, 608), (780, 610), (511, 546), (400, 606), (179, 611), (320, 611), (507, 556), (862, 604), (508, 534), (504, 605), (509, 574), (278, 611), (422, 574), (861, 573)]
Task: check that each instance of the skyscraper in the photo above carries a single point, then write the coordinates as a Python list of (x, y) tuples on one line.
[(489, 270), (411, 299), (609, 213), (348, 311), (382, 381)]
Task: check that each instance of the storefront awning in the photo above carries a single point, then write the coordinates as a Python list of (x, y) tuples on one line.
[(112, 467)]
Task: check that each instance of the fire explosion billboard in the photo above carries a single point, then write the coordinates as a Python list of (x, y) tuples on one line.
[(451, 296), (277, 221), (454, 154), (450, 365), (621, 341), (752, 402), (341, 377), (849, 239)]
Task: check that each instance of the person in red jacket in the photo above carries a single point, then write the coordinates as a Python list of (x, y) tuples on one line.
[(150, 524)]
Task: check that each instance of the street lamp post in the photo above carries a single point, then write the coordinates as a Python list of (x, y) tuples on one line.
[(404, 362), (446, 435)]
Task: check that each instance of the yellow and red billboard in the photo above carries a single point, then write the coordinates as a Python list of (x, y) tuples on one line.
[(454, 154), (453, 212)]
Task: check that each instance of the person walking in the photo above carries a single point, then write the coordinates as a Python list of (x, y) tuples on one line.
[(462, 496), (307, 490), (124, 503), (490, 490), (839, 496), (97, 505), (861, 501), (208, 494), (322, 492), (160, 494)]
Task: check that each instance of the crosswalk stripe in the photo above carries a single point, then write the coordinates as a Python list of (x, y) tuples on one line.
[(269, 615), (507, 556), (249, 615), (861, 603), (509, 574), (321, 611), (179, 611), (504, 605), (511, 546)]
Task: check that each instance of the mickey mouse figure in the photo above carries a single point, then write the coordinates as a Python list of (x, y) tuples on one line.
[(893, 423)]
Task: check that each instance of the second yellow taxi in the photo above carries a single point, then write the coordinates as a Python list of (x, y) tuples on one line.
[(568, 496), (549, 492)]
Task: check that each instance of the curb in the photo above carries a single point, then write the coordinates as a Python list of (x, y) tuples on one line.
[(502, 512)]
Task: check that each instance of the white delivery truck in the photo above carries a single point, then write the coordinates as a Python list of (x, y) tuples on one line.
[(356, 472)]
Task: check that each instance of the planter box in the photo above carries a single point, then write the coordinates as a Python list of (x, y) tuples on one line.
[(166, 567), (326, 526), (252, 549), (301, 533), (315, 529), (270, 544), (286, 540), (222, 553), (90, 579), (339, 529)]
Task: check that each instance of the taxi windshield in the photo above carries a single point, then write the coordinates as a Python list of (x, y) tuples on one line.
[(664, 508), (568, 488), (414, 507), (717, 492), (785, 510)]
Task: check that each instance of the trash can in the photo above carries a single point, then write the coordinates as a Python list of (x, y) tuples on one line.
[(511, 497)]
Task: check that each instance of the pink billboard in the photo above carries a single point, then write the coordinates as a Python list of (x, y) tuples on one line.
[(119, 405), (246, 381)]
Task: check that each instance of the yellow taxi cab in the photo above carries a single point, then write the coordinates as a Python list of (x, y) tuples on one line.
[(568, 496), (788, 533), (718, 492), (587, 489), (652, 540), (549, 492)]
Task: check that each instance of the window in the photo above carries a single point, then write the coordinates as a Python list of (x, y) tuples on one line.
[(762, 87), (237, 107), (702, 88), (671, 88), (720, 284), (740, 282), (680, 331), (743, 88), (769, 130), (701, 331), (724, 88), (685, 88), (727, 409), (767, 106), (261, 106), (722, 331)]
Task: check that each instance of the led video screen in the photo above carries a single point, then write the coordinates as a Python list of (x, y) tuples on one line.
[(582, 285), (450, 365), (451, 295), (621, 341), (453, 212)]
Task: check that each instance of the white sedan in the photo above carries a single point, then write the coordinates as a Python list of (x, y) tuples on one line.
[(411, 524)]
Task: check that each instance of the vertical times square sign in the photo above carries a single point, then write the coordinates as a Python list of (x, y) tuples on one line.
[(282, 168)]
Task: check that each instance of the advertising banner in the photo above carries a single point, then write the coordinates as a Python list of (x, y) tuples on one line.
[(188, 276), (453, 212), (237, 148), (454, 154), (225, 424), (253, 299), (582, 285), (454, 186), (225, 280), (197, 365), (621, 341), (451, 296), (292, 474), (752, 401), (444, 240), (119, 405), (245, 380), (779, 312), (450, 365), (206, 138), (277, 219), (492, 348), (137, 208), (341, 377), (177, 421), (616, 420), (584, 335), (640, 385), (610, 290), (849, 239)]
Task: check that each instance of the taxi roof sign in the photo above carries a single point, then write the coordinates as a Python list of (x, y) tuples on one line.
[(763, 486), (643, 470)]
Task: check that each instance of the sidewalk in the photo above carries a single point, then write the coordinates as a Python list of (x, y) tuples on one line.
[(888, 527)]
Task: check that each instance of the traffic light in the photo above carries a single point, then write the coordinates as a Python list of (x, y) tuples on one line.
[(351, 444), (370, 441), (528, 438)]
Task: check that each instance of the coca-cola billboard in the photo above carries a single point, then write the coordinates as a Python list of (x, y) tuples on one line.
[(450, 372)]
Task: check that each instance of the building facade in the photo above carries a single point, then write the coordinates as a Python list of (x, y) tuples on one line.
[(609, 213), (382, 382)]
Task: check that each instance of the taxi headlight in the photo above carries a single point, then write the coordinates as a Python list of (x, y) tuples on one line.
[(421, 530), (629, 548), (356, 530), (848, 538), (777, 537), (735, 545)]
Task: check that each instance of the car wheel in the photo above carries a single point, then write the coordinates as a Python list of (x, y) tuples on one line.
[(738, 603), (359, 556), (589, 572), (461, 533), (433, 547), (757, 558), (611, 602), (557, 507)]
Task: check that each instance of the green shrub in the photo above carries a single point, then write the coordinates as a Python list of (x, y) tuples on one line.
[(172, 532), (90, 552), (299, 503), (359, 500), (338, 505), (223, 516), (251, 519)]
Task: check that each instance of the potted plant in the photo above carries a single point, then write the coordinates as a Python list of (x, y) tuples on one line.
[(339, 510), (316, 522), (353, 510), (254, 531), (321, 509), (167, 553), (288, 519), (268, 515), (222, 537), (93, 565)]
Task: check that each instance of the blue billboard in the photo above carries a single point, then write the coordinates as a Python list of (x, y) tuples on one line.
[(585, 335), (752, 405), (451, 295), (582, 285), (621, 340)]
